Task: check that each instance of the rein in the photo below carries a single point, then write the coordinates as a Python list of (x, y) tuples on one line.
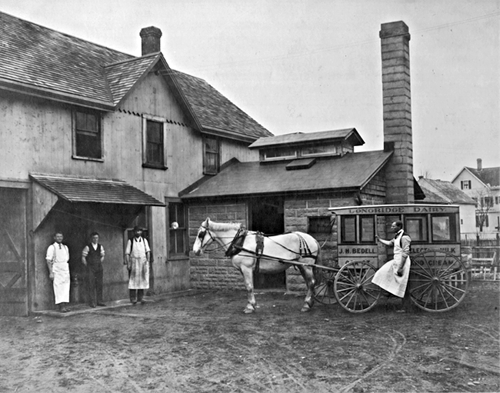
[(242, 232)]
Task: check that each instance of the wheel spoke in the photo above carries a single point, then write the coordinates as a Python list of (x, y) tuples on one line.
[(450, 293), (352, 295), (369, 278), (343, 297), (345, 278), (345, 289), (442, 273), (442, 295), (362, 279), (426, 283), (423, 272), (445, 284), (369, 293), (421, 293)]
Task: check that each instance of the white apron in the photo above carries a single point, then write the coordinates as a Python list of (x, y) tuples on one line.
[(139, 273), (386, 277), (61, 282)]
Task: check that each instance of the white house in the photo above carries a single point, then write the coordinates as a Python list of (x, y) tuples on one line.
[(444, 192), (482, 185)]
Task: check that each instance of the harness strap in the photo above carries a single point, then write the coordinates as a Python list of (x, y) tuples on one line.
[(259, 249), (236, 244)]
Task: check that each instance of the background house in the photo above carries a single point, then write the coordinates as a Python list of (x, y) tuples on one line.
[(483, 185), (95, 139), (443, 192)]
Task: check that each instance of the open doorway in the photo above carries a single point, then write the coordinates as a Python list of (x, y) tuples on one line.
[(267, 216)]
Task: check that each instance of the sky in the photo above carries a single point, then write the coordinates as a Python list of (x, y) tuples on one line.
[(315, 65)]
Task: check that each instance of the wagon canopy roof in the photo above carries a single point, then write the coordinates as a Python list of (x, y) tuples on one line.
[(351, 171), (42, 62), (75, 189)]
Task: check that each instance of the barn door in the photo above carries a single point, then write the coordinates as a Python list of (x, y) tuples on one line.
[(13, 289)]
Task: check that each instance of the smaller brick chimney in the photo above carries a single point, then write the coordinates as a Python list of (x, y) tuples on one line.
[(151, 42), (479, 164)]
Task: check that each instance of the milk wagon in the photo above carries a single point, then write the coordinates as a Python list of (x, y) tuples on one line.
[(438, 279)]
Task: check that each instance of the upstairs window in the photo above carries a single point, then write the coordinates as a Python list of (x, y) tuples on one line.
[(211, 156), (154, 142), (87, 134), (465, 185), (487, 201)]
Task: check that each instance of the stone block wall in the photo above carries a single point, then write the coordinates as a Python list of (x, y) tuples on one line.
[(298, 209), (213, 270)]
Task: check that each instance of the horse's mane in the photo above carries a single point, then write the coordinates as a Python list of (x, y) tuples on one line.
[(222, 226)]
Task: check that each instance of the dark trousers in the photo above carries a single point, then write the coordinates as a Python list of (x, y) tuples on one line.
[(94, 282), (136, 295)]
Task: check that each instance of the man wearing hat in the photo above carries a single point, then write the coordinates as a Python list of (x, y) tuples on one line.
[(137, 256)]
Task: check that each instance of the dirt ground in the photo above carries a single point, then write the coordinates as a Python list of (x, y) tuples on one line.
[(204, 343)]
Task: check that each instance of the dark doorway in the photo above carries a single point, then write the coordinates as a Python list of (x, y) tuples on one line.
[(267, 216)]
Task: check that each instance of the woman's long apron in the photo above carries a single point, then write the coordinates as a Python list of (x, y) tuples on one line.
[(386, 277)]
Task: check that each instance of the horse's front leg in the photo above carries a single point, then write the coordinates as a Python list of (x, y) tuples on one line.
[(308, 275), (247, 272)]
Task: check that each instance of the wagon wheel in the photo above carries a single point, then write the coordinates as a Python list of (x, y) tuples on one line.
[(353, 287), (323, 290), (438, 280)]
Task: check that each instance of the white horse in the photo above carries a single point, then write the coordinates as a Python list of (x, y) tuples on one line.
[(277, 254)]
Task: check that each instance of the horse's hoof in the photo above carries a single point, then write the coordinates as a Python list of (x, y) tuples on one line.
[(306, 308), (248, 310)]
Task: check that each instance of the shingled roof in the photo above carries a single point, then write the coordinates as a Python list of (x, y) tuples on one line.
[(440, 191), (489, 176), (352, 171), (39, 61), (215, 111), (74, 189)]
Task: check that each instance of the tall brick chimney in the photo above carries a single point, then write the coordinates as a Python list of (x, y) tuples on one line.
[(395, 40), (150, 40), (479, 164)]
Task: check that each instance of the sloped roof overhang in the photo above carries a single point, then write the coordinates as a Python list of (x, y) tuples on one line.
[(299, 138), (351, 172), (85, 190)]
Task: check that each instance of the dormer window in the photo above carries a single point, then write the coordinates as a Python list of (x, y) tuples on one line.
[(279, 154), (319, 150)]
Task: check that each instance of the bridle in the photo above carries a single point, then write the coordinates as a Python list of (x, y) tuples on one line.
[(202, 232)]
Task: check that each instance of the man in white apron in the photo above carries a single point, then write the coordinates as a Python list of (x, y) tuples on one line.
[(393, 275), (137, 256), (57, 261)]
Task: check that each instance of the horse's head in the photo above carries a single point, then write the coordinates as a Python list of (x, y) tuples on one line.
[(203, 237)]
